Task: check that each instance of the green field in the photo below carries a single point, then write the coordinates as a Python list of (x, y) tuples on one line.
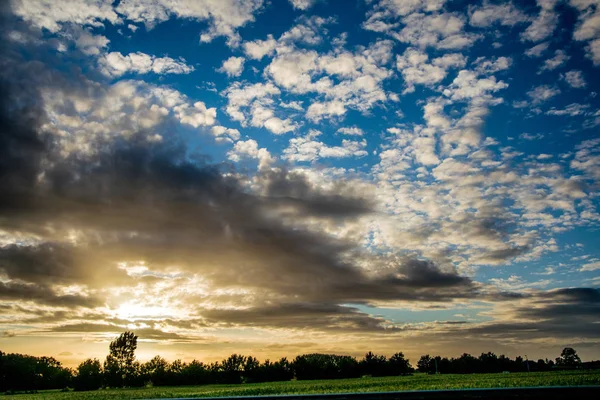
[(415, 382)]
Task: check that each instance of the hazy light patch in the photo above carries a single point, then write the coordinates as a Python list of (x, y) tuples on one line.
[(134, 310)]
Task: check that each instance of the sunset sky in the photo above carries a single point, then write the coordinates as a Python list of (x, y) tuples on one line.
[(274, 177)]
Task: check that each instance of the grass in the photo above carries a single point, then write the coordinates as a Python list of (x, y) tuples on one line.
[(415, 382)]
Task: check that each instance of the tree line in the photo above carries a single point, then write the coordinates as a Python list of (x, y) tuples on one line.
[(121, 369)]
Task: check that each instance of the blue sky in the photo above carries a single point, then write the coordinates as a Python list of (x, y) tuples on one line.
[(454, 146)]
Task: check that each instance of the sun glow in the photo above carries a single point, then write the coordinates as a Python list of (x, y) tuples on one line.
[(133, 311)]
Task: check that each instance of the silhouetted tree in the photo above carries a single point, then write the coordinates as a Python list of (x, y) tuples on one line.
[(119, 368), (24, 372), (175, 373), (89, 375), (276, 371), (488, 362), (155, 371), (252, 370), (325, 366), (426, 364), (399, 365), (568, 358), (232, 368), (374, 365), (196, 373)]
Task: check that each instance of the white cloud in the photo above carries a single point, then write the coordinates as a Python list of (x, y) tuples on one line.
[(544, 24), (488, 14), (587, 158), (81, 120), (302, 4), (588, 27), (559, 59), (385, 10), (589, 19), (575, 79), (292, 70), (224, 16), (537, 50), (292, 105), (249, 149), (594, 266), (451, 60), (572, 110), (306, 148), (416, 70), (357, 82), (196, 115), (528, 136), (319, 110), (257, 49), (464, 134), (223, 134), (484, 66), (520, 104), (468, 86), (418, 145), (351, 131), (453, 170), (115, 64), (543, 93), (255, 102), (51, 14), (279, 126), (241, 97), (442, 31), (433, 114), (233, 66), (309, 31), (594, 51), (90, 44)]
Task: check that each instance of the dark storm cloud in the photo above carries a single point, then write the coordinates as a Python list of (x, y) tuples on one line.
[(574, 295), (146, 333), (293, 189), (328, 317), (42, 294), (502, 255), (54, 263), (561, 314)]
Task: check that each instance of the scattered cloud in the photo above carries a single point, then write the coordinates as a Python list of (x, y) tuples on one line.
[(302, 4), (559, 59), (489, 14), (537, 50), (351, 131), (233, 66), (542, 93), (574, 78), (115, 64), (544, 24)]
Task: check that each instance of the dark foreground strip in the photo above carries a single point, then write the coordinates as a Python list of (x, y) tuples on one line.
[(545, 393)]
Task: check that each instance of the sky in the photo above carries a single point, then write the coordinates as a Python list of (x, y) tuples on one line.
[(274, 177)]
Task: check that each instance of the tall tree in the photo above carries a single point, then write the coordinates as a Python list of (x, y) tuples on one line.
[(568, 358), (119, 365)]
